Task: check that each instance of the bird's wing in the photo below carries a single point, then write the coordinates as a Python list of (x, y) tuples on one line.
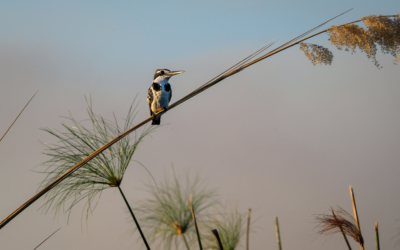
[(150, 99)]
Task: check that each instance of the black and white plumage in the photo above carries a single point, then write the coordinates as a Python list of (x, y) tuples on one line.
[(160, 93)]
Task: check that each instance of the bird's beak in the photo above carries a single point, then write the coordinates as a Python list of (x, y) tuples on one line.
[(172, 73)]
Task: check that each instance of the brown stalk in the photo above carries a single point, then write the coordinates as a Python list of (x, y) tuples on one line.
[(187, 97), (339, 222), (18, 116), (278, 234), (195, 221), (47, 238), (353, 200), (341, 230), (215, 232), (377, 236), (248, 229)]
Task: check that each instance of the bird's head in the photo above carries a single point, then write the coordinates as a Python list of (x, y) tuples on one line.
[(165, 74)]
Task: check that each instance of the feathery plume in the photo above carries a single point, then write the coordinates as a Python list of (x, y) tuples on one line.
[(335, 223)]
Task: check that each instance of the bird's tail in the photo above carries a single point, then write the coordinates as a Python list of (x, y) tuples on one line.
[(156, 120)]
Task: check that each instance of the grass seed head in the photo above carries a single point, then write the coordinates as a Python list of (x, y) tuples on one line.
[(383, 31), (317, 54)]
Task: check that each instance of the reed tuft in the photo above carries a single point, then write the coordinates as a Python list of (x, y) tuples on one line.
[(231, 227), (78, 140), (338, 221), (166, 214)]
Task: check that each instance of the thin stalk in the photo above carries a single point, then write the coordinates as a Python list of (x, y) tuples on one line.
[(248, 229), (109, 144), (195, 222), (341, 230), (186, 243), (134, 218), (377, 236), (278, 235), (353, 200), (18, 116), (46, 239), (215, 232)]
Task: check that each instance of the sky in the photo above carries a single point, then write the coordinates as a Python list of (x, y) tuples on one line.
[(282, 137)]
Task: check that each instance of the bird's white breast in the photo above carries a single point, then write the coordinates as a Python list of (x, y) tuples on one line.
[(161, 98)]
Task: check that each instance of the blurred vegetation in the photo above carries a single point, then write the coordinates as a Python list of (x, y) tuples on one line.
[(166, 214)]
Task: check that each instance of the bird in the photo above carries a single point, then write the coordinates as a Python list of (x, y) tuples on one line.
[(160, 93)]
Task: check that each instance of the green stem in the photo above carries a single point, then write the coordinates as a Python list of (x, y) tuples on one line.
[(134, 218), (184, 240)]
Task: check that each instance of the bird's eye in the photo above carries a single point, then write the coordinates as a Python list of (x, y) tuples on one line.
[(162, 72)]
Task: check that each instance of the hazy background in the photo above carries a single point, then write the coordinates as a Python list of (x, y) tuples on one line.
[(283, 137)]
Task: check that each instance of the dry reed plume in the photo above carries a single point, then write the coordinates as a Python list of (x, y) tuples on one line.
[(317, 54), (340, 221), (383, 31)]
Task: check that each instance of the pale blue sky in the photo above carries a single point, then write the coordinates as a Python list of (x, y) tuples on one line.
[(283, 137)]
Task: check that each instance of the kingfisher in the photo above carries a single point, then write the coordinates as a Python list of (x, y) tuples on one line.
[(160, 93)]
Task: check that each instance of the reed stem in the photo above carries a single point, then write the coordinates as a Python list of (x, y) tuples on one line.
[(353, 200), (341, 230), (278, 235), (18, 116), (46, 239), (134, 218), (195, 222), (248, 229), (377, 236), (215, 232), (186, 243)]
